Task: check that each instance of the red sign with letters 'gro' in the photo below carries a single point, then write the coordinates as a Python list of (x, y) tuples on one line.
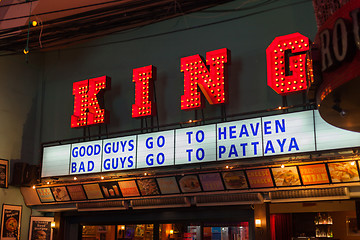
[(87, 110)]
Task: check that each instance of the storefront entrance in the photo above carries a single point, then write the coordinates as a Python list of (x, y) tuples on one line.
[(167, 231), (193, 223)]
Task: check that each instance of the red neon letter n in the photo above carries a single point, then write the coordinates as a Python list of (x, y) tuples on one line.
[(212, 83)]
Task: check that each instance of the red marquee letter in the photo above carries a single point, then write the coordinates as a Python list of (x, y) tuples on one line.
[(212, 83), (87, 110), (143, 106), (286, 72)]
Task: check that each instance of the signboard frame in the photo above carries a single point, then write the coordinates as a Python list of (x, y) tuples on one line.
[(47, 229)]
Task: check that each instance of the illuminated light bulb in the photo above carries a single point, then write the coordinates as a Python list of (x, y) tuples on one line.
[(282, 166), (34, 23), (26, 51), (227, 167), (279, 107), (75, 178), (48, 183), (33, 186), (102, 177), (145, 174)]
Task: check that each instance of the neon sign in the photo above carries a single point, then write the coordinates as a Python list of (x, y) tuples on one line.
[(286, 63), (144, 106), (87, 110), (211, 82)]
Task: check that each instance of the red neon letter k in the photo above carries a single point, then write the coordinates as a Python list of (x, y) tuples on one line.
[(87, 110)]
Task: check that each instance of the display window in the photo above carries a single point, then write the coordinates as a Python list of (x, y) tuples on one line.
[(168, 231)]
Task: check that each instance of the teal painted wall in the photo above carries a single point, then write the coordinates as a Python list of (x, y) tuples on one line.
[(18, 123)]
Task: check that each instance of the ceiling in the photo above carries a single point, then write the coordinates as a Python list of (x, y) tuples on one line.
[(61, 23)]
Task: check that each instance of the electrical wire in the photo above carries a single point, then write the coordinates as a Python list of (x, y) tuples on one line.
[(187, 29), (18, 3), (59, 11), (68, 30)]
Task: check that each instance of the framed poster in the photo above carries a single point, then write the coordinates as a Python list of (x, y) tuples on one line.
[(45, 195), (148, 187), (10, 222), (168, 185), (4, 173), (343, 172), (60, 193), (76, 192), (314, 174), (259, 178), (129, 188), (211, 182), (189, 184), (110, 189), (235, 180), (40, 228), (93, 191), (286, 176)]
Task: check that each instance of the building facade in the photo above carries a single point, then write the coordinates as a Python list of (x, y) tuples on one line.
[(262, 165)]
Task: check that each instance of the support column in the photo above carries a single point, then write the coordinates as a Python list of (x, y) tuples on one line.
[(261, 211)]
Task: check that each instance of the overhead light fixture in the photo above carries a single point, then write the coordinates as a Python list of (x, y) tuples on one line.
[(52, 225), (258, 222)]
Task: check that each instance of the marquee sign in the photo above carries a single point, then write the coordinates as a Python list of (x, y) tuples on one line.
[(267, 136)]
